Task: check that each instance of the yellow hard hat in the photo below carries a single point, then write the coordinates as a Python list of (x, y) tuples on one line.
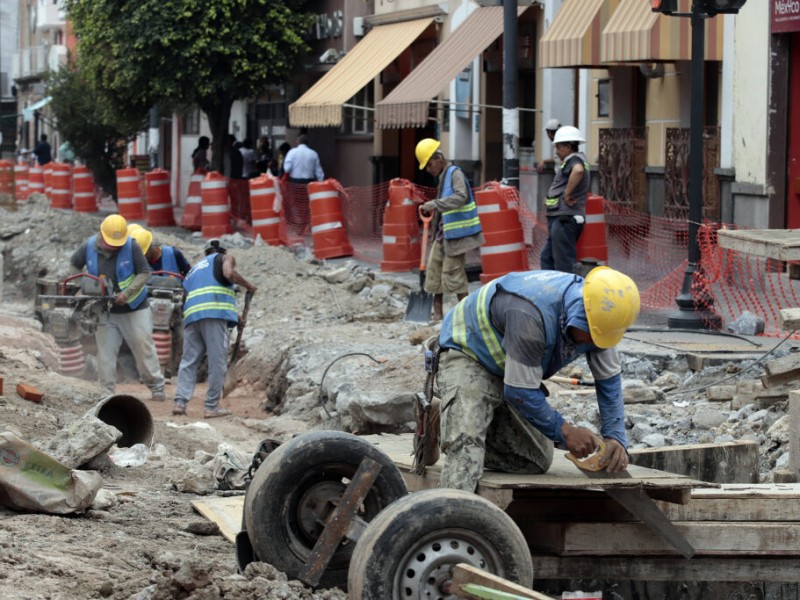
[(612, 305), (114, 230), (425, 149), (133, 227), (143, 237)]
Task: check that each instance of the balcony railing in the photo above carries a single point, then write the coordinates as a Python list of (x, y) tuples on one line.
[(36, 61)]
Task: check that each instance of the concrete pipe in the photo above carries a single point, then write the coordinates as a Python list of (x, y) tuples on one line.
[(128, 414)]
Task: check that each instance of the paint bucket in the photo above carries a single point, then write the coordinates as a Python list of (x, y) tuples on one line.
[(128, 414)]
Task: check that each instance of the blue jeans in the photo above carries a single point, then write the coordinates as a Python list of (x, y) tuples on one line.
[(559, 252)]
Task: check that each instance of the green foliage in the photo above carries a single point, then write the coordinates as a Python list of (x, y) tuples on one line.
[(96, 130), (177, 53)]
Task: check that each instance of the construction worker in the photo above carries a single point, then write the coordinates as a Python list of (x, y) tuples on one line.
[(117, 259), (566, 202), (498, 345), (159, 256), (208, 313), (455, 228)]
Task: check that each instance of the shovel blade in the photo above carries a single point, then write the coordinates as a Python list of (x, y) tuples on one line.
[(419, 307)]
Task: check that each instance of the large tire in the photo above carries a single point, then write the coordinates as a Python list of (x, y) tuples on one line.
[(296, 488), (409, 549)]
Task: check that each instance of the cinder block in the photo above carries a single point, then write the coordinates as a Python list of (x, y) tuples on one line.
[(29, 392)]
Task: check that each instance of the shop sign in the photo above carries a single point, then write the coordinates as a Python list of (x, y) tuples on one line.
[(785, 16)]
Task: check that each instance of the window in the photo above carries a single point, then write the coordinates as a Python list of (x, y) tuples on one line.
[(191, 122), (604, 98), (358, 114)]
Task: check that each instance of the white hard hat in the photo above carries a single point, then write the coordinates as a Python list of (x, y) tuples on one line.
[(553, 125), (568, 134)]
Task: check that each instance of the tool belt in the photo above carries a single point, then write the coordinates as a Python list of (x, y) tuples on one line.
[(427, 413)]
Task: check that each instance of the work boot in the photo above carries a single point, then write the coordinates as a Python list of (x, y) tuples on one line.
[(158, 396), (216, 412), (179, 409)]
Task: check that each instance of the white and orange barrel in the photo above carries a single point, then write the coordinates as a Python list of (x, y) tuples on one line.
[(214, 206), (328, 233), (129, 194), (159, 200), (83, 195), (265, 208), (504, 250)]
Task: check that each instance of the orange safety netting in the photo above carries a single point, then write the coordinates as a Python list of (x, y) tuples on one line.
[(652, 250)]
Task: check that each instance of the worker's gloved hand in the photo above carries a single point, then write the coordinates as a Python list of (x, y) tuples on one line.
[(120, 300), (429, 206), (615, 458), (580, 441)]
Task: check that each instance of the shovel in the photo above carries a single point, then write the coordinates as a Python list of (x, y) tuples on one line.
[(420, 303), (230, 380)]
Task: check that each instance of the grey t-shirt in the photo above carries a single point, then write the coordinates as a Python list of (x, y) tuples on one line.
[(524, 342)]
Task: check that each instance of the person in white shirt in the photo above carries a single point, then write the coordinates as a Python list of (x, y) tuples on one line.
[(301, 166)]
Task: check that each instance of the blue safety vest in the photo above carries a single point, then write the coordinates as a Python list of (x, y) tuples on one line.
[(459, 222), (468, 327), (167, 262), (125, 269), (207, 298)]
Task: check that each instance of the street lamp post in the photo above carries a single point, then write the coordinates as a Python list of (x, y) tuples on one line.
[(510, 94)]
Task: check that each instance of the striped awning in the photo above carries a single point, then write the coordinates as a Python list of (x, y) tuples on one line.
[(637, 34), (407, 104), (573, 38), (321, 105)]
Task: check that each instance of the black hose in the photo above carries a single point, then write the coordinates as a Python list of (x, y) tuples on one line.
[(701, 331), (334, 361)]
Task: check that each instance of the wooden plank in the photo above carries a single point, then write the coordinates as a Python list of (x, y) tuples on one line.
[(699, 361), (733, 462), (780, 244), (464, 574), (794, 433), (562, 474), (783, 365), (226, 512), (635, 539), (645, 568), (720, 393)]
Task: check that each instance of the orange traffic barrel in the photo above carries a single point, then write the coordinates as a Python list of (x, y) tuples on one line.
[(129, 196), (7, 178), (48, 178), (504, 249), (592, 241), (401, 240), (159, 200), (83, 195), (35, 180), (328, 233), (21, 182), (61, 186), (192, 217), (265, 208), (214, 206)]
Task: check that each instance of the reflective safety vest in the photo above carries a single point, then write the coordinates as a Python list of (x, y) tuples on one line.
[(207, 298), (459, 222), (125, 270), (468, 327), (167, 260)]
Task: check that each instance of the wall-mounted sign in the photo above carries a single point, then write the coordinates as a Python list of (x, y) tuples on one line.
[(785, 16)]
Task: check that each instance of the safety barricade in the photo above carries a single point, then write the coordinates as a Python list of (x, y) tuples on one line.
[(328, 233), (7, 178), (159, 200), (129, 195), (21, 182), (592, 246), (60, 185), (401, 237), (192, 217), (504, 249), (214, 206), (83, 195), (35, 180), (265, 208)]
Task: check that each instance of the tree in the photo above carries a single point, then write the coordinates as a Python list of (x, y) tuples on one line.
[(179, 53), (96, 131)]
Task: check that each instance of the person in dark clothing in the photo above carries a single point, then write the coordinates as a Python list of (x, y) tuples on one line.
[(42, 151), (264, 154), (200, 160), (234, 162)]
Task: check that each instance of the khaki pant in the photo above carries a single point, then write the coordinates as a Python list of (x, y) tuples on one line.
[(445, 274), (479, 428)]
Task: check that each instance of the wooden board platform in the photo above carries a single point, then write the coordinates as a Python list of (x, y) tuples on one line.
[(226, 512), (780, 244)]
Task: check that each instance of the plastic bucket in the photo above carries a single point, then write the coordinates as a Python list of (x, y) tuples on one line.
[(128, 414)]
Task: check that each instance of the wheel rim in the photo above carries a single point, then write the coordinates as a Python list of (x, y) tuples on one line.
[(425, 570)]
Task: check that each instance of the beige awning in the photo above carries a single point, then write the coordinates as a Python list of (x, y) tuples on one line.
[(637, 34), (321, 105), (407, 104), (573, 38)]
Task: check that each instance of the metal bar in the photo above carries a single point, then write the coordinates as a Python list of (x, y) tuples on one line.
[(340, 521), (641, 506)]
